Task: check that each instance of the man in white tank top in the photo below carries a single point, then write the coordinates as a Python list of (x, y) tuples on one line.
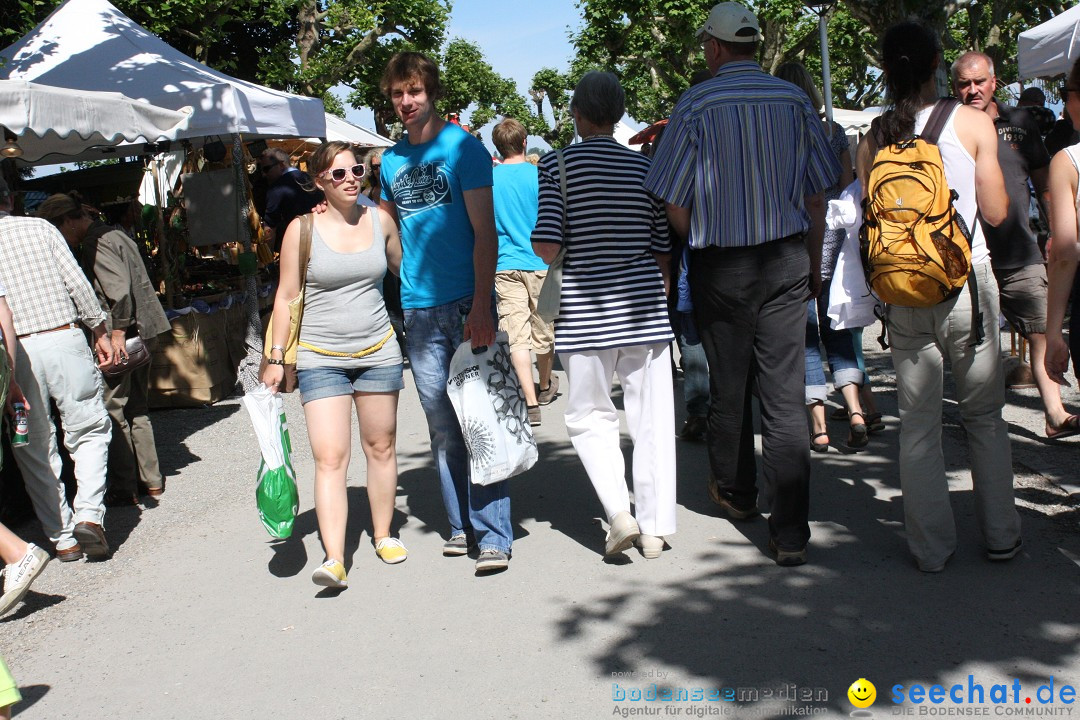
[(924, 338)]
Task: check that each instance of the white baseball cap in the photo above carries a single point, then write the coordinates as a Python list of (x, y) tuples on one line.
[(727, 19)]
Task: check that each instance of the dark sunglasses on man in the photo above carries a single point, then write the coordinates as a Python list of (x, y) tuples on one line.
[(338, 174)]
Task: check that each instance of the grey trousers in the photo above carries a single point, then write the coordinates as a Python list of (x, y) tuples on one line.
[(922, 339), (59, 366), (132, 452)]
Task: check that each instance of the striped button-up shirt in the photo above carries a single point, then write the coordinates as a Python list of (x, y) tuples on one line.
[(46, 288), (742, 150)]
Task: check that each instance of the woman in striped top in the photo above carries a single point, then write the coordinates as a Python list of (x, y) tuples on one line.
[(613, 317)]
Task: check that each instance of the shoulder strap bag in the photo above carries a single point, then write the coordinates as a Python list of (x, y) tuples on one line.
[(296, 312), (550, 299)]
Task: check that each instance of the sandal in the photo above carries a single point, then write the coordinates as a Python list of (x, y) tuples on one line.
[(819, 447), (874, 423), (1068, 428), (858, 435)]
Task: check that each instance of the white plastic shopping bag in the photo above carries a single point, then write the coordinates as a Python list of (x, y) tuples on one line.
[(275, 495), (851, 302), (490, 407)]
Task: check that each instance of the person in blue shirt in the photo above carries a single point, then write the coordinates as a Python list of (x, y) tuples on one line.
[(436, 182), (520, 274)]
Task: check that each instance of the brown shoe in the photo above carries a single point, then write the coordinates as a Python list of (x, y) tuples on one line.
[(92, 538), (733, 512), (546, 396), (70, 554)]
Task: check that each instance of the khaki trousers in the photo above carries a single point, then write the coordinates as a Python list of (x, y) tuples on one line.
[(132, 452)]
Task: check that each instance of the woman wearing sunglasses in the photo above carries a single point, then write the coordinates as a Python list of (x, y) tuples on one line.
[(347, 357)]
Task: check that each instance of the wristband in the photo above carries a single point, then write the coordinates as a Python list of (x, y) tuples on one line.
[(272, 361), (278, 347)]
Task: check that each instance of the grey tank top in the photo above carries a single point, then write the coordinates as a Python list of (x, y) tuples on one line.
[(343, 305)]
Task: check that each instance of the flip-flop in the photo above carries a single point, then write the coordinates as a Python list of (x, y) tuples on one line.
[(1070, 427), (819, 447)]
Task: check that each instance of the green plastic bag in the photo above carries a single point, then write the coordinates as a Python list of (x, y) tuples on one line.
[(276, 495)]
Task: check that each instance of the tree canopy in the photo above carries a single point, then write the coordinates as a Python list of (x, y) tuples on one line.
[(313, 46)]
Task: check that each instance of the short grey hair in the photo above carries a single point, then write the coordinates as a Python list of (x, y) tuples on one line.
[(967, 60), (277, 155), (599, 98)]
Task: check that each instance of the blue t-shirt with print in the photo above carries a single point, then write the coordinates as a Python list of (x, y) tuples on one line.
[(516, 193), (426, 183)]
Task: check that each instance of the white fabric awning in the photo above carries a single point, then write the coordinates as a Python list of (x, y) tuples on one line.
[(58, 124), (90, 45), (1051, 48), (338, 129)]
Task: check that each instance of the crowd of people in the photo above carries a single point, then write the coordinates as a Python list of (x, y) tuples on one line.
[(715, 239)]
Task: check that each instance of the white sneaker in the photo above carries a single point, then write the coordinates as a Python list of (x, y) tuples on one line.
[(18, 577), (651, 545), (622, 533)]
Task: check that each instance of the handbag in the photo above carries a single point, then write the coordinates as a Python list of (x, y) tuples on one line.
[(550, 299), (296, 313), (135, 356)]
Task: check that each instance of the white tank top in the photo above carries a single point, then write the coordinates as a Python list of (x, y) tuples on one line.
[(1073, 152), (960, 172)]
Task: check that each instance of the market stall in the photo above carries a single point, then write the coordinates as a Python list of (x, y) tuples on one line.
[(90, 45)]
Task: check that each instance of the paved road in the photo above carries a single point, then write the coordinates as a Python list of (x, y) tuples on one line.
[(200, 614)]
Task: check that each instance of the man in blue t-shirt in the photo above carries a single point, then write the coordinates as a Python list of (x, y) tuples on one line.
[(437, 183), (520, 274)]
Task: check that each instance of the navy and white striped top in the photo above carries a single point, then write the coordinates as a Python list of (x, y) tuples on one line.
[(612, 292), (742, 150)]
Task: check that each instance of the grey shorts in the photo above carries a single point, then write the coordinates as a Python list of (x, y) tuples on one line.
[(1023, 297)]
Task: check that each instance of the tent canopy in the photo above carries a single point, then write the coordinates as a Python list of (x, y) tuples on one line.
[(58, 124), (338, 129), (90, 45), (855, 121), (1051, 48)]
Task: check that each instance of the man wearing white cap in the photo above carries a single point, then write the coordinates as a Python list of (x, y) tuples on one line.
[(742, 167)]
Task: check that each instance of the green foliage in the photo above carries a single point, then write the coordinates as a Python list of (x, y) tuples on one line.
[(471, 82)]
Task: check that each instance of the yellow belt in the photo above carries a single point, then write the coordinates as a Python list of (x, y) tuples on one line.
[(358, 354)]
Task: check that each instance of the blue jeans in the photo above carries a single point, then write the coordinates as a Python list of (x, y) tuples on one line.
[(839, 347), (431, 337)]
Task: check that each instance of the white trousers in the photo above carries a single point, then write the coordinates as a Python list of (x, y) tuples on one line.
[(60, 366), (593, 425)]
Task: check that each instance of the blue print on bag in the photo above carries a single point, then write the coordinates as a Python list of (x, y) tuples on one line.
[(421, 187)]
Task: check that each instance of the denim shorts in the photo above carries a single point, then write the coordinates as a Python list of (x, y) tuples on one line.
[(323, 382)]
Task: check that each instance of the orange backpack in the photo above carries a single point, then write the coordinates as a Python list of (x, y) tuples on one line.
[(916, 248)]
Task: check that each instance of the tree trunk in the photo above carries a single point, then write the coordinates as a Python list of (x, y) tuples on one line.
[(307, 37)]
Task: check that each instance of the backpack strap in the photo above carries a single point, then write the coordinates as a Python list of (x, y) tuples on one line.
[(939, 117)]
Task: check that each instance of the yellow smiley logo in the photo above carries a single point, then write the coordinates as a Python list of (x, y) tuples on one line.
[(862, 693)]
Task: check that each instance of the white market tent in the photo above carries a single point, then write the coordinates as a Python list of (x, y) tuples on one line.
[(53, 124), (854, 122), (1051, 48), (345, 131), (90, 45)]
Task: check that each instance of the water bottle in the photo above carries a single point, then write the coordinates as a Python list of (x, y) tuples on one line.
[(21, 436)]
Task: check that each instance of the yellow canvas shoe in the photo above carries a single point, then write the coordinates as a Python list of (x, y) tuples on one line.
[(330, 574), (391, 551)]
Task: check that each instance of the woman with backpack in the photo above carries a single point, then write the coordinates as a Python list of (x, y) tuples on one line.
[(926, 331)]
